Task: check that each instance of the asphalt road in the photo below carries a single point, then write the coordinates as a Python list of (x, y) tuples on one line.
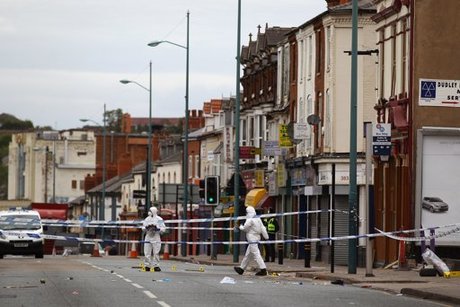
[(118, 281)]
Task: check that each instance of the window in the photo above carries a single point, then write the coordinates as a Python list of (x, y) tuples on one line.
[(261, 130), (319, 51), (244, 132), (251, 131), (82, 184), (328, 48), (74, 184), (285, 72), (393, 60)]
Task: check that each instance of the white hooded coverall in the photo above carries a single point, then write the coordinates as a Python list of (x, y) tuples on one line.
[(153, 225), (253, 227)]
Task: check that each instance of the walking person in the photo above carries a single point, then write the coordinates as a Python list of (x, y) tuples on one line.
[(272, 228), (154, 226), (254, 228)]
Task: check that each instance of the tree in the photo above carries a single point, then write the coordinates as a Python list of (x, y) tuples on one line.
[(114, 119)]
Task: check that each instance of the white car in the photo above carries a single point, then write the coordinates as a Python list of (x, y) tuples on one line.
[(21, 233)]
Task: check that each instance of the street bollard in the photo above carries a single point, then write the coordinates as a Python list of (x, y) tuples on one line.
[(280, 253), (214, 247), (307, 248), (432, 243)]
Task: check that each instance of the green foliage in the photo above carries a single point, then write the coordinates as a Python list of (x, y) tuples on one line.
[(10, 122), (114, 118)]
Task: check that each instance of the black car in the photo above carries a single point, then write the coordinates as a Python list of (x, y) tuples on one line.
[(434, 204)]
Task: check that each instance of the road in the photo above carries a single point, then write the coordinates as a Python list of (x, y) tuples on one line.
[(118, 281)]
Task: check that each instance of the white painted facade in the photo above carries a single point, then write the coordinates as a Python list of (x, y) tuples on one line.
[(43, 162), (334, 126)]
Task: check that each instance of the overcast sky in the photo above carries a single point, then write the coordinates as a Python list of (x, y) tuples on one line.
[(61, 60)]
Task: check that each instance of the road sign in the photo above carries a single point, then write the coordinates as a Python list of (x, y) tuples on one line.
[(271, 148), (139, 194), (381, 139)]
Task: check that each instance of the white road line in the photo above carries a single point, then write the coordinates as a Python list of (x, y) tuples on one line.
[(163, 304), (149, 294), (137, 286), (128, 280), (121, 276)]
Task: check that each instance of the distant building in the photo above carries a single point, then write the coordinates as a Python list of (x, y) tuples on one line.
[(50, 166)]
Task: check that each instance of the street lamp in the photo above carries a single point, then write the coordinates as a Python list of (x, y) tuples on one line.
[(236, 203), (104, 168), (149, 145), (185, 164)]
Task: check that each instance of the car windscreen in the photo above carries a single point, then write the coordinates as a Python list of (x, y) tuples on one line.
[(434, 199), (20, 222)]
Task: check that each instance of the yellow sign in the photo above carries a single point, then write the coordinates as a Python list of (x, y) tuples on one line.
[(281, 175), (259, 178), (284, 139)]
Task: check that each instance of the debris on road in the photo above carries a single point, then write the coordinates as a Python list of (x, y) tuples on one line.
[(228, 280)]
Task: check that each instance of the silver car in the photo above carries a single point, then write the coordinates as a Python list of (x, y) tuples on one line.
[(434, 204)]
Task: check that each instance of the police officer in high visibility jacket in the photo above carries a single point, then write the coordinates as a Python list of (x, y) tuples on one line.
[(271, 224)]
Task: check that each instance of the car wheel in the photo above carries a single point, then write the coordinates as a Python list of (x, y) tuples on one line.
[(1, 256), (431, 209), (39, 255)]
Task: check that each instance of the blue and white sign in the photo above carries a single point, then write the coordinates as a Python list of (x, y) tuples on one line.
[(439, 93), (381, 139)]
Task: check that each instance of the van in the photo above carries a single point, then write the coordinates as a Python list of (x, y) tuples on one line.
[(21, 233)]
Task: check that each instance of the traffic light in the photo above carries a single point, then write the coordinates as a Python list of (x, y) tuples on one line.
[(211, 189), (202, 186)]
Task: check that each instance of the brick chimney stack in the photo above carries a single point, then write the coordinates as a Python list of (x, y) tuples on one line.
[(332, 3)]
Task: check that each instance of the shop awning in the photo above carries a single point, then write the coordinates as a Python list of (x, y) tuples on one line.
[(258, 198)]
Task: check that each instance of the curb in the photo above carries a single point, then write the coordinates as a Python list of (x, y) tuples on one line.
[(430, 296)]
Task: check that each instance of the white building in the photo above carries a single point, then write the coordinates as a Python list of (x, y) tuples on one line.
[(50, 166)]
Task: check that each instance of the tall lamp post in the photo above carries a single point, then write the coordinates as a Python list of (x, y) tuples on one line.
[(236, 204), (104, 165), (186, 128), (149, 145)]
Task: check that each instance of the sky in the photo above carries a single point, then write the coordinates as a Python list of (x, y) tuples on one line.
[(61, 60)]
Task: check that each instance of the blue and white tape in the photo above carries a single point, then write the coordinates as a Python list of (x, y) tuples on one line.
[(392, 235)]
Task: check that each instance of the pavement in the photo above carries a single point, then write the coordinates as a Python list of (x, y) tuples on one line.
[(392, 280)]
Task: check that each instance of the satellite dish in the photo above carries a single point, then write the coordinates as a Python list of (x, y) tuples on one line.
[(313, 119)]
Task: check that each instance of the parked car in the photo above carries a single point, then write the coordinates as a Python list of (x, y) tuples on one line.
[(434, 204)]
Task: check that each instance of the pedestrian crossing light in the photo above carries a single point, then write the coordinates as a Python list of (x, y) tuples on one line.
[(211, 190)]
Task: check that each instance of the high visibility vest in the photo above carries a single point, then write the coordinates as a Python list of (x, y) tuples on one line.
[(271, 225)]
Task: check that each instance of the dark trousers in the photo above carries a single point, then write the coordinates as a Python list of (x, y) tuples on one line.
[(270, 249)]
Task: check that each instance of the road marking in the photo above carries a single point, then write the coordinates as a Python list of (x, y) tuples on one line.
[(127, 280), (121, 276), (137, 285), (163, 304), (149, 294)]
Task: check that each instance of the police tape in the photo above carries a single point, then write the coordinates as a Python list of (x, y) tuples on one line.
[(380, 233), (138, 223)]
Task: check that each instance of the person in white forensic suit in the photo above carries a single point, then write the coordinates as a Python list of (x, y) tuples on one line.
[(254, 228), (154, 226)]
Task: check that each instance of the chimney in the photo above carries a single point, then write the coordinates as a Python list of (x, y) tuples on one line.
[(332, 3)]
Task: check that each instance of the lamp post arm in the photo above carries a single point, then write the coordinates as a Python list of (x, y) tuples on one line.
[(156, 43), (140, 85)]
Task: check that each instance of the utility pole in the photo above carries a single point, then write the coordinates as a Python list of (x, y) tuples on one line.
[(352, 195), (236, 204)]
